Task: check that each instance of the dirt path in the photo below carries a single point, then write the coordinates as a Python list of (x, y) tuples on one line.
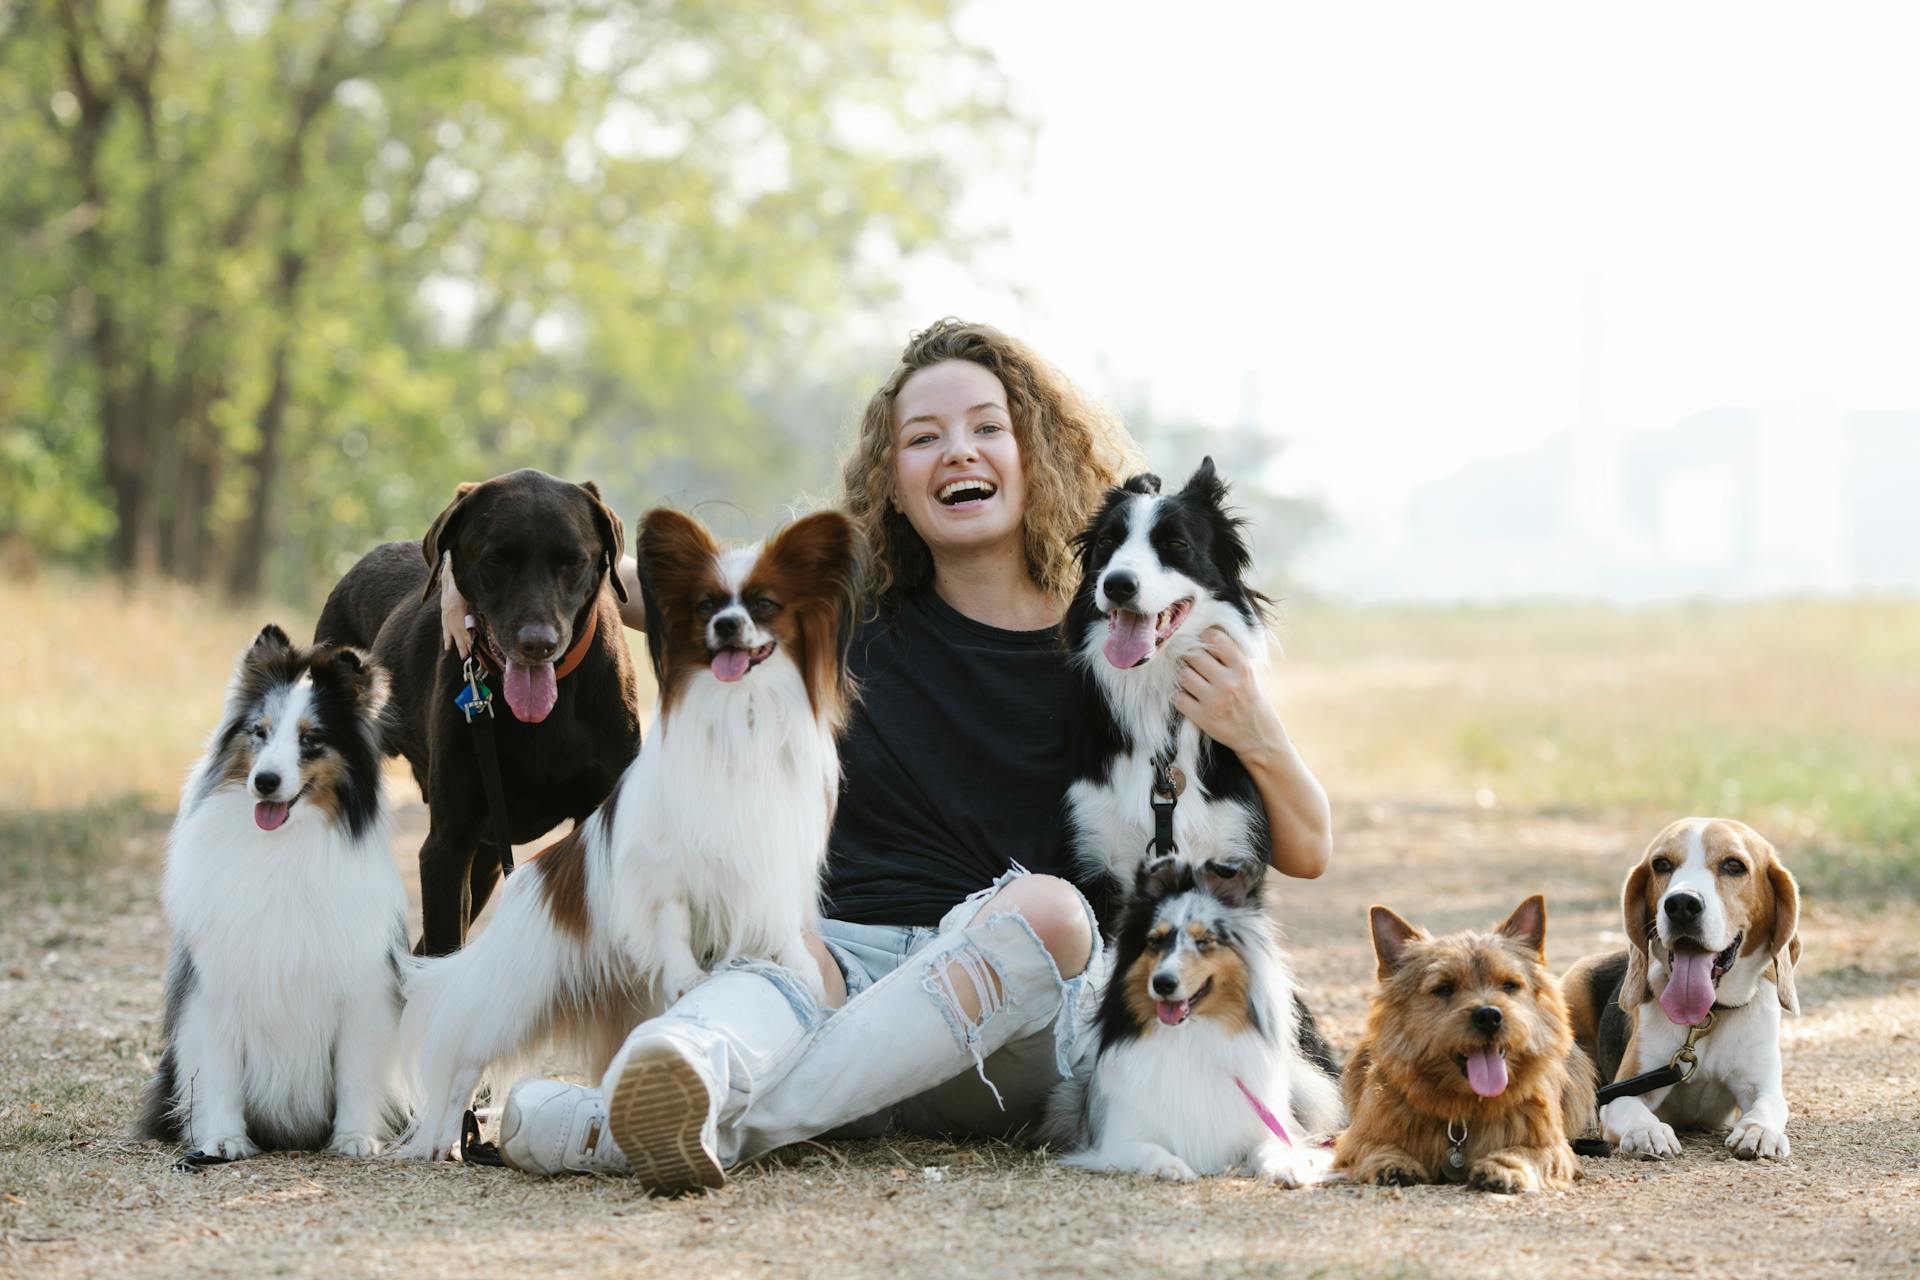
[(80, 991)]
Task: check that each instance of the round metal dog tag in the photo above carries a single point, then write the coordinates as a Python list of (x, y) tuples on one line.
[(1454, 1167), (1178, 777)]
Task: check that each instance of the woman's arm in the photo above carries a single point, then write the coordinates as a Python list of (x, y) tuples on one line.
[(634, 611), (1221, 695)]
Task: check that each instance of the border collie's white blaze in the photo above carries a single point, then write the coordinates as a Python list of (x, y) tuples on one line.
[(1157, 571), (288, 917), (1203, 1045), (711, 845)]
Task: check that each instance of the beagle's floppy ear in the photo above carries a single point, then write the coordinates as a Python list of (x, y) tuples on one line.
[(1528, 925), (442, 532), (1639, 922), (613, 538), (1784, 944), (1391, 935)]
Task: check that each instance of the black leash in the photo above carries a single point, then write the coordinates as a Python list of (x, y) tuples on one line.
[(1679, 1069), (472, 701), (474, 1151), (1168, 782)]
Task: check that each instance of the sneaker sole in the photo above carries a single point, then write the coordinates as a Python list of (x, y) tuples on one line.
[(657, 1111)]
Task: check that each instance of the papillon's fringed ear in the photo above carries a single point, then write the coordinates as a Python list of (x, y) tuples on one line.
[(1146, 482), (271, 638), (1391, 935), (441, 534), (1638, 918), (1158, 877), (1233, 881), (1528, 925), (613, 538)]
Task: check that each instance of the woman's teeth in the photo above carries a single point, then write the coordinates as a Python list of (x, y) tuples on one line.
[(965, 491)]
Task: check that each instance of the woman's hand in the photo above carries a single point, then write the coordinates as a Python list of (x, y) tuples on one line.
[(1220, 693)]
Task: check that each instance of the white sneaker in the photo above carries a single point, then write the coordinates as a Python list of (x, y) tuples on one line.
[(550, 1127), (662, 1112)]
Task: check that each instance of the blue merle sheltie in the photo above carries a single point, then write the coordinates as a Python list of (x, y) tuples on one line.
[(1206, 1062), (1157, 570), (288, 920)]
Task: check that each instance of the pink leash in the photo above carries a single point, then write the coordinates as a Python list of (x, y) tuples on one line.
[(1266, 1117)]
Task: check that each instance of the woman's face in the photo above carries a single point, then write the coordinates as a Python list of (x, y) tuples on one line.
[(956, 465)]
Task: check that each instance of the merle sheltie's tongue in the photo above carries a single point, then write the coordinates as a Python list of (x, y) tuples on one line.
[(1129, 638), (1487, 1072), (1173, 1012), (730, 664), (268, 814), (531, 691), (1689, 993)]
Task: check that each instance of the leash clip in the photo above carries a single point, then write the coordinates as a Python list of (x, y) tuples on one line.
[(476, 697), (1685, 1059)]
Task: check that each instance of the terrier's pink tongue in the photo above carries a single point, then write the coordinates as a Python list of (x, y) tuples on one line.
[(1487, 1072), (1129, 638), (531, 691), (730, 664), (1689, 994), (1173, 1012), (268, 814)]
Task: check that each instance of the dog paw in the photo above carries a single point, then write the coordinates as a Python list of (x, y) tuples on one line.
[(1173, 1169), (1503, 1176), (1398, 1175), (1283, 1168), (418, 1148), (355, 1146), (1654, 1142), (239, 1147), (1752, 1140)]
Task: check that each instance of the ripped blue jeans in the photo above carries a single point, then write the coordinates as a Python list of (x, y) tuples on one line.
[(1006, 1089)]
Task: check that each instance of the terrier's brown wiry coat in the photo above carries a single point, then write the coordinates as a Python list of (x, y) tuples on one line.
[(1405, 1084)]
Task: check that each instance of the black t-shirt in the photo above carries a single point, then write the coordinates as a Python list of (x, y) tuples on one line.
[(955, 763)]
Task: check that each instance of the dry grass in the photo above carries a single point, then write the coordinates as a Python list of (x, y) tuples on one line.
[(1580, 723)]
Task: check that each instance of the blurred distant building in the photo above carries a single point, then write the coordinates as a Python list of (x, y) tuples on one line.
[(1728, 502)]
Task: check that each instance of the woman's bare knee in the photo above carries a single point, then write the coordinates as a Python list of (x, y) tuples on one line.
[(1055, 912), (831, 978)]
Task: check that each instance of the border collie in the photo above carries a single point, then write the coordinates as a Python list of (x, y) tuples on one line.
[(711, 845), (289, 921), (1156, 572), (1206, 1061)]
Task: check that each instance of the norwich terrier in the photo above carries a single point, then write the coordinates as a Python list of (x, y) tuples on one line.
[(1469, 1071)]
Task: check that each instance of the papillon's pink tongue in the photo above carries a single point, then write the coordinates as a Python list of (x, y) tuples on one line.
[(531, 691), (268, 814), (1487, 1072), (1174, 1012), (730, 664), (1129, 638), (1689, 994)]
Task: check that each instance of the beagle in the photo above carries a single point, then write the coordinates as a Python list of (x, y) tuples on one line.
[(1712, 918)]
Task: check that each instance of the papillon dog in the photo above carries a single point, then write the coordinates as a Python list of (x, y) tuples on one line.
[(708, 850), (288, 919), (1157, 570), (1205, 1061)]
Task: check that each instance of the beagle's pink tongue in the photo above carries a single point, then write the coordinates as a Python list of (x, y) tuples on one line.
[(1173, 1012), (730, 664), (531, 691), (268, 814), (1487, 1072), (1689, 994), (1129, 638)]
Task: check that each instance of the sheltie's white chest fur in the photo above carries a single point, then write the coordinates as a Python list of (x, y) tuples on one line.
[(1175, 1088)]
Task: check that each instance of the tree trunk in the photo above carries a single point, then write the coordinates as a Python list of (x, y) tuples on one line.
[(248, 572)]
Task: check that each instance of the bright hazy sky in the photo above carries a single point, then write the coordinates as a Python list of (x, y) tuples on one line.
[(1396, 216)]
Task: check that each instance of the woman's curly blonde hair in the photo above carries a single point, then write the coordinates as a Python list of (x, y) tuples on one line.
[(1071, 449)]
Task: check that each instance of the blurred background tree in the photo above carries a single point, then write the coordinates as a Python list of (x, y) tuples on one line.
[(275, 276)]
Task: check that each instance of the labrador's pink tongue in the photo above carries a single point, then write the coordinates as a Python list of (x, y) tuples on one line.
[(268, 814), (1129, 638), (1487, 1072), (1173, 1012), (531, 691), (730, 664), (1689, 994)]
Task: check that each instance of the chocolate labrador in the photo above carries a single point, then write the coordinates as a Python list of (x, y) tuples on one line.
[(537, 558)]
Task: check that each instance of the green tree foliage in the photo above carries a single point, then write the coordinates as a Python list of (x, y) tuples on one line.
[(275, 275)]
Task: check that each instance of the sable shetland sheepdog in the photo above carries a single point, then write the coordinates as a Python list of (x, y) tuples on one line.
[(1157, 570), (1206, 1062), (710, 847), (289, 920)]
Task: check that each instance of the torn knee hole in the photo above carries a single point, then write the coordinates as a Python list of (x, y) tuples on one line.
[(966, 972)]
